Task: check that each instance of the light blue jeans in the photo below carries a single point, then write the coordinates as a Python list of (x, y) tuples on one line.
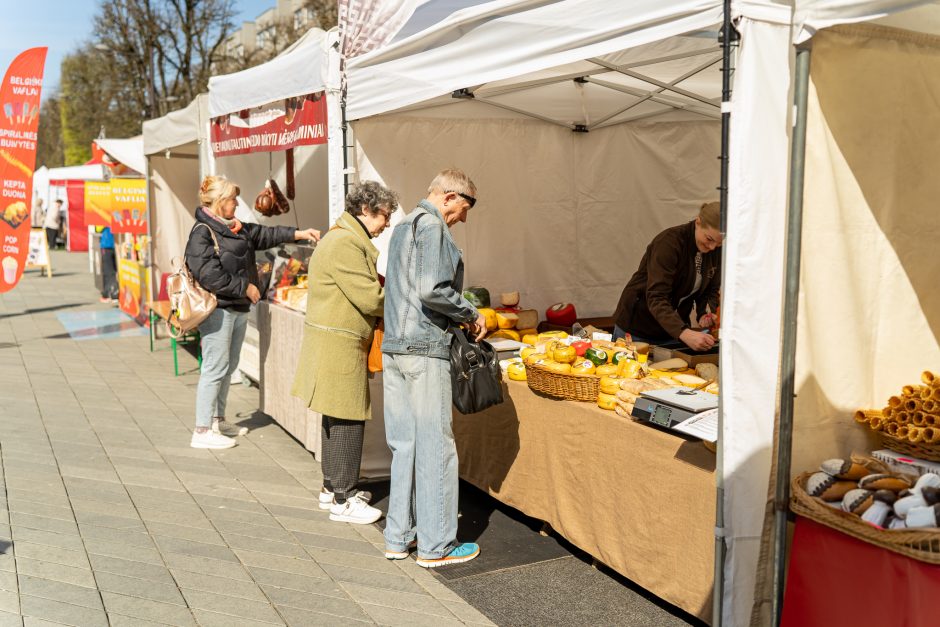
[(423, 497), (221, 335)]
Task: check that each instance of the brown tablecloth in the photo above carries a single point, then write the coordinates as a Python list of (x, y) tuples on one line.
[(640, 500)]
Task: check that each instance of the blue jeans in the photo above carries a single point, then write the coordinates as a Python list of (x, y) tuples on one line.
[(221, 335), (423, 497)]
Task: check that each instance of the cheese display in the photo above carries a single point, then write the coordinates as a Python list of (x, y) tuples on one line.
[(506, 320)]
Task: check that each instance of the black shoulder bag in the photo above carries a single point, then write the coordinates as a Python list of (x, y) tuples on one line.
[(474, 367)]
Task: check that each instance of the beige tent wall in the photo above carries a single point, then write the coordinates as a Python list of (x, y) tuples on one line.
[(869, 314), (310, 208), (562, 216), (174, 184)]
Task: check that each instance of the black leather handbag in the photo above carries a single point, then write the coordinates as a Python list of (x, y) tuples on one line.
[(474, 373)]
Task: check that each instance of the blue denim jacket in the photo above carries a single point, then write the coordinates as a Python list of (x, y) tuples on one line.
[(423, 287)]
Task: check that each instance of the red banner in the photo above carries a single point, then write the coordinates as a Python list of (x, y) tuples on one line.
[(19, 121), (299, 121)]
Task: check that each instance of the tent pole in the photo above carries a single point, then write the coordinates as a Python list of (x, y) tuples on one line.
[(728, 38), (790, 305)]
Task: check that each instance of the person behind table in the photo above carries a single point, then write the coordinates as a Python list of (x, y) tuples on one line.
[(344, 300), (423, 300), (230, 274), (681, 268), (51, 223), (109, 283)]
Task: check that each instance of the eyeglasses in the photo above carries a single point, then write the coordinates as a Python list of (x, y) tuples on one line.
[(470, 199)]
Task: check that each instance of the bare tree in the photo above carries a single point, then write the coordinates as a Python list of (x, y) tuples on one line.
[(165, 49)]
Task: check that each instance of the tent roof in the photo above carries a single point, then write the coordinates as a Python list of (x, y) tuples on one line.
[(585, 63), (96, 172), (300, 69), (129, 151), (177, 129)]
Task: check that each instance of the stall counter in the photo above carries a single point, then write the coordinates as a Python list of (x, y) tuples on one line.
[(640, 500), (280, 330)]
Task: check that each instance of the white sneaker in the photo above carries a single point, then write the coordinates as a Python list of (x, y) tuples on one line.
[(224, 427), (354, 511), (326, 497), (211, 439)]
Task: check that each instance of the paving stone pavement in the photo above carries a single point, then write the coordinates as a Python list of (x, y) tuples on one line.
[(108, 517)]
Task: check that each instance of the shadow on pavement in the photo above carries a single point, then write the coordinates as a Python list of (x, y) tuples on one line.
[(36, 310)]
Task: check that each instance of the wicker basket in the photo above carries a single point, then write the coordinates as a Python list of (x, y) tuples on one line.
[(580, 387), (920, 544), (920, 450)]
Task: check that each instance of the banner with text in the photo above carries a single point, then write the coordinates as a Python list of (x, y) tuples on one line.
[(129, 206), (19, 122), (299, 121), (97, 203)]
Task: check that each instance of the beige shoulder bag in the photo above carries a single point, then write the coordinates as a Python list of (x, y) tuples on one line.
[(190, 303)]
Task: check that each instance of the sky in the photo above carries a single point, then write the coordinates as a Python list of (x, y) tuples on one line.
[(63, 25)]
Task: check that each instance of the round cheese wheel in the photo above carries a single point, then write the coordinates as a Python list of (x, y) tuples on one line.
[(561, 314), (606, 401), (516, 372), (564, 354), (509, 299)]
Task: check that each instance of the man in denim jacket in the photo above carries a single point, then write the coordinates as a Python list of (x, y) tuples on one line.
[(423, 299)]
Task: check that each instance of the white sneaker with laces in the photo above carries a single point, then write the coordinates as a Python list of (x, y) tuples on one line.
[(224, 427), (354, 511), (211, 439), (326, 497)]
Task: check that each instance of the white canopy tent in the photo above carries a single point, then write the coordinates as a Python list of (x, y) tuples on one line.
[(499, 88), (128, 151), (177, 153), (308, 66)]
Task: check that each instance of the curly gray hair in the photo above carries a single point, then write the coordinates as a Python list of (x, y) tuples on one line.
[(371, 197)]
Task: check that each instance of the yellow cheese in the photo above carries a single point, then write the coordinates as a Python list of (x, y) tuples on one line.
[(525, 352), (509, 334), (516, 372), (529, 336), (582, 367), (606, 401), (490, 316), (559, 368), (629, 369), (552, 335), (506, 320), (606, 370), (610, 384), (534, 357), (564, 354)]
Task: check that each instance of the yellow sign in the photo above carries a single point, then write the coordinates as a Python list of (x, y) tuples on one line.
[(129, 282), (129, 206), (97, 204)]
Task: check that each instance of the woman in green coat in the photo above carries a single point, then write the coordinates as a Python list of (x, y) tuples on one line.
[(343, 302)]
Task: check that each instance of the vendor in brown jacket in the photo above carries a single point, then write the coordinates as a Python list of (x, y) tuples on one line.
[(681, 268)]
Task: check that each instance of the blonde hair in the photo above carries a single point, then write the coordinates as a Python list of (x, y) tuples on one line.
[(215, 189), (710, 215), (452, 180)]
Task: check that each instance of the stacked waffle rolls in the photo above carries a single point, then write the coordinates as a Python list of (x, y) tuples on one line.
[(913, 415)]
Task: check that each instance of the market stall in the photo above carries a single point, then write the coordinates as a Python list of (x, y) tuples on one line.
[(586, 144), (271, 123), (68, 185)]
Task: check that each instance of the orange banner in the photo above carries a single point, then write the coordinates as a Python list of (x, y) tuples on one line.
[(129, 206), (19, 122), (97, 204)]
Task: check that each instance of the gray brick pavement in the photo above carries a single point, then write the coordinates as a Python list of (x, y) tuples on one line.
[(108, 517)]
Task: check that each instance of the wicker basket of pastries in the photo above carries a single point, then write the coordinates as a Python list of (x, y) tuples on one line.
[(910, 423)]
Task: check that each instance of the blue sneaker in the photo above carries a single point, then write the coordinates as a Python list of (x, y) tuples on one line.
[(461, 553)]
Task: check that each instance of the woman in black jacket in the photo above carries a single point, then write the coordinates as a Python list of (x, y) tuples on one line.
[(220, 254)]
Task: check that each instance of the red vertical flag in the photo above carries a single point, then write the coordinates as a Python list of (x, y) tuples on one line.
[(19, 121)]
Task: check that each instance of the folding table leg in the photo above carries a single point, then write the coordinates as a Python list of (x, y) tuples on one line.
[(151, 330), (176, 365)]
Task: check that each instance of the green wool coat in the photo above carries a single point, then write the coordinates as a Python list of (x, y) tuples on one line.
[(343, 302)]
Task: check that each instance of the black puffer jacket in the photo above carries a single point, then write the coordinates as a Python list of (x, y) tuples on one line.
[(228, 274)]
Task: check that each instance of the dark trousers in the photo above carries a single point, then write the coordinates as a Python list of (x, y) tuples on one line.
[(109, 284), (341, 450), (51, 236)]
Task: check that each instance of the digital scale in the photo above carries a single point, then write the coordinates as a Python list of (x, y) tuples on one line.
[(667, 408)]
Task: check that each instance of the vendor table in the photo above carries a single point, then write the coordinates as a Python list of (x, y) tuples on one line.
[(640, 500), (835, 579), (280, 331)]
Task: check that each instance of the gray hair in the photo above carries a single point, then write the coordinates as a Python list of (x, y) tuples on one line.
[(371, 197)]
